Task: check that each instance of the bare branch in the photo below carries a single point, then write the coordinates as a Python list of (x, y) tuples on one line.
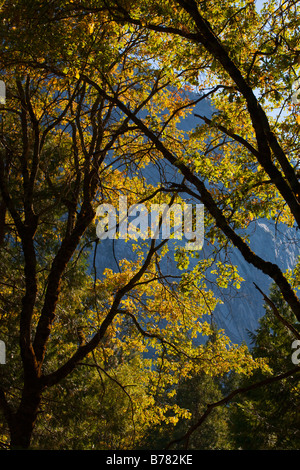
[(277, 314)]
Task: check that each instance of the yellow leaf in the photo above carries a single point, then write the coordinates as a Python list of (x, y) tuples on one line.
[(91, 28)]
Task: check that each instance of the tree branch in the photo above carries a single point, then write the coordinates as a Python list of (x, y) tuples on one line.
[(227, 399), (206, 198), (277, 314)]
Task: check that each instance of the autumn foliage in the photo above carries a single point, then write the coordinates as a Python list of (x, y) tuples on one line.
[(96, 92)]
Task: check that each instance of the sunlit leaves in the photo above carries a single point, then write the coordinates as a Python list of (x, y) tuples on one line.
[(84, 83)]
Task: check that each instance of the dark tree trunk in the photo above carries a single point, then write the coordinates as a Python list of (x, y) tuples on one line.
[(23, 421)]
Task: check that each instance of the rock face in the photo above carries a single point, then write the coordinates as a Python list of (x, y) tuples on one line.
[(241, 313), (241, 309)]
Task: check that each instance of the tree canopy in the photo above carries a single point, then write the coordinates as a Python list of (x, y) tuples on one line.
[(95, 93)]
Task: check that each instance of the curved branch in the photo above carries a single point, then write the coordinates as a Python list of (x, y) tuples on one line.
[(277, 314), (268, 268), (56, 376), (267, 141), (228, 398), (234, 136)]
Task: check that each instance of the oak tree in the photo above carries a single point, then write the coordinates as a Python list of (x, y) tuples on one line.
[(95, 92)]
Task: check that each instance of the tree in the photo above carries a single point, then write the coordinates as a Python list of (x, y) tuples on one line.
[(256, 159), (78, 82), (193, 394), (247, 63), (270, 417)]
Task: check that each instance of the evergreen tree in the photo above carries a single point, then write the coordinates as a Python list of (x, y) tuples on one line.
[(269, 417)]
